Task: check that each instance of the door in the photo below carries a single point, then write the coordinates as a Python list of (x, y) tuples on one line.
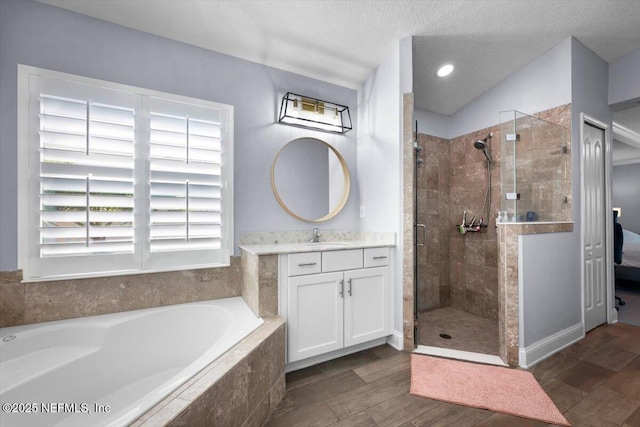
[(315, 319), (595, 215), (366, 305)]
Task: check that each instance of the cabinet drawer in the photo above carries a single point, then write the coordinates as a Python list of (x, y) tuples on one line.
[(341, 260), (304, 263), (376, 257)]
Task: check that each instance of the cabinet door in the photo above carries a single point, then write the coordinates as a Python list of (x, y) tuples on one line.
[(366, 305), (315, 320)]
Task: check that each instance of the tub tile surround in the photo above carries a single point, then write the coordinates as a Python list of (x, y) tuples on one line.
[(259, 286), (242, 387), (508, 325), (12, 301), (35, 302)]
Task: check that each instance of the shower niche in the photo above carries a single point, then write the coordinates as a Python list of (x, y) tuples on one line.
[(534, 170)]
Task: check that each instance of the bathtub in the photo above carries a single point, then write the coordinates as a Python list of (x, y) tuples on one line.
[(108, 370)]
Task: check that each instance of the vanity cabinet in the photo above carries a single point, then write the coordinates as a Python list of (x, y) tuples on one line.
[(336, 299)]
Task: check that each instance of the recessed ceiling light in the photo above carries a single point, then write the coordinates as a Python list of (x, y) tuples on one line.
[(445, 70)]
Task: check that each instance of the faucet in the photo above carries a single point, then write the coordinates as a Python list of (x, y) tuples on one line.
[(315, 238)]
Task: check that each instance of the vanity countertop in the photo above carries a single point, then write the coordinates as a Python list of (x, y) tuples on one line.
[(287, 248)]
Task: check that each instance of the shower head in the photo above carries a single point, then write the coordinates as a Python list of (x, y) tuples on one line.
[(481, 144)]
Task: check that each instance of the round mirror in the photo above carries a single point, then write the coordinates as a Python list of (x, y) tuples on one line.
[(310, 180)]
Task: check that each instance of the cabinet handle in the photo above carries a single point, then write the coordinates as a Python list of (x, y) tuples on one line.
[(380, 257), (307, 264), (342, 288), (349, 287)]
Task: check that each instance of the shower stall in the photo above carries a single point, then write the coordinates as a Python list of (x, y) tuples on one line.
[(515, 171)]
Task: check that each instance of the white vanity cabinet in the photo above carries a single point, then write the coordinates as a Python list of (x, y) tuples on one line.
[(335, 299)]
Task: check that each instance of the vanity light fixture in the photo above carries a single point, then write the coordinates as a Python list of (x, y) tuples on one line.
[(445, 70), (304, 111)]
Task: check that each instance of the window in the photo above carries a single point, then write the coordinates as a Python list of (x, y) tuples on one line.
[(117, 179)]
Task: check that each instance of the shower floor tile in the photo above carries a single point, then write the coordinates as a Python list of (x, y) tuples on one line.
[(468, 332)]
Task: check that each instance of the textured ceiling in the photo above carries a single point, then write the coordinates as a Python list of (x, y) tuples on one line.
[(342, 41)]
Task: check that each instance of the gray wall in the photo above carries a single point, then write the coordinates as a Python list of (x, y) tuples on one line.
[(550, 262), (432, 123), (35, 34), (555, 287), (549, 287), (624, 78), (542, 84), (626, 195), (379, 160)]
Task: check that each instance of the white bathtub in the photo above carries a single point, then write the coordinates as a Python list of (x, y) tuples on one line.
[(128, 361)]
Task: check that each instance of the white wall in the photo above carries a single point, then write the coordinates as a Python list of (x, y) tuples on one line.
[(542, 84), (624, 79), (380, 153), (432, 123), (379, 122), (39, 35)]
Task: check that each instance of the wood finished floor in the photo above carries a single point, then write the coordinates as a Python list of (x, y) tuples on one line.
[(595, 382), (630, 312)]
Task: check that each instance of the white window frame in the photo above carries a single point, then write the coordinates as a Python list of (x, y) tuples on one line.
[(142, 261)]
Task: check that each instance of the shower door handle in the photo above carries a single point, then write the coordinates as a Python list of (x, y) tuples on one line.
[(424, 234)]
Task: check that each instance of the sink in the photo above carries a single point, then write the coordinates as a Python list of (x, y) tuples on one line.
[(327, 245)]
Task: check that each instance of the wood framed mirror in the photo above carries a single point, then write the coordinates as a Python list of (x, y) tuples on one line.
[(310, 179)]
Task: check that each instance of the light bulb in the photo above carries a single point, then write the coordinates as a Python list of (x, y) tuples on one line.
[(445, 70)]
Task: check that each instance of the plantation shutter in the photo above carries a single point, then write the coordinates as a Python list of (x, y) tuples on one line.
[(185, 177), (86, 176), (116, 179)]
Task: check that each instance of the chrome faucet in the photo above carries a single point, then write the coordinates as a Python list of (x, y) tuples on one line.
[(315, 238)]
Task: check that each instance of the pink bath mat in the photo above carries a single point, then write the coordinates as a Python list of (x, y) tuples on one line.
[(497, 389)]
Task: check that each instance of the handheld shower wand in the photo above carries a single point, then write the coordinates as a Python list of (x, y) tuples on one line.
[(481, 144)]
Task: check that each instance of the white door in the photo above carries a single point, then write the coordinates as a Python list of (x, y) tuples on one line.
[(366, 305), (595, 215), (315, 322)]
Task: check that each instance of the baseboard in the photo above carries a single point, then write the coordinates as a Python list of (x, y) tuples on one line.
[(541, 350), (396, 340), (305, 363)]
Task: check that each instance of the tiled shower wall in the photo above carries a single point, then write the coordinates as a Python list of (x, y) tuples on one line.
[(462, 270), (473, 257), (433, 211)]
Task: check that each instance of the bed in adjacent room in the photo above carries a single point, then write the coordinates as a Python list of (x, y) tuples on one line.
[(629, 270)]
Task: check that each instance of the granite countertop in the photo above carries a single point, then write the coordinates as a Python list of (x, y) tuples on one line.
[(287, 248)]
